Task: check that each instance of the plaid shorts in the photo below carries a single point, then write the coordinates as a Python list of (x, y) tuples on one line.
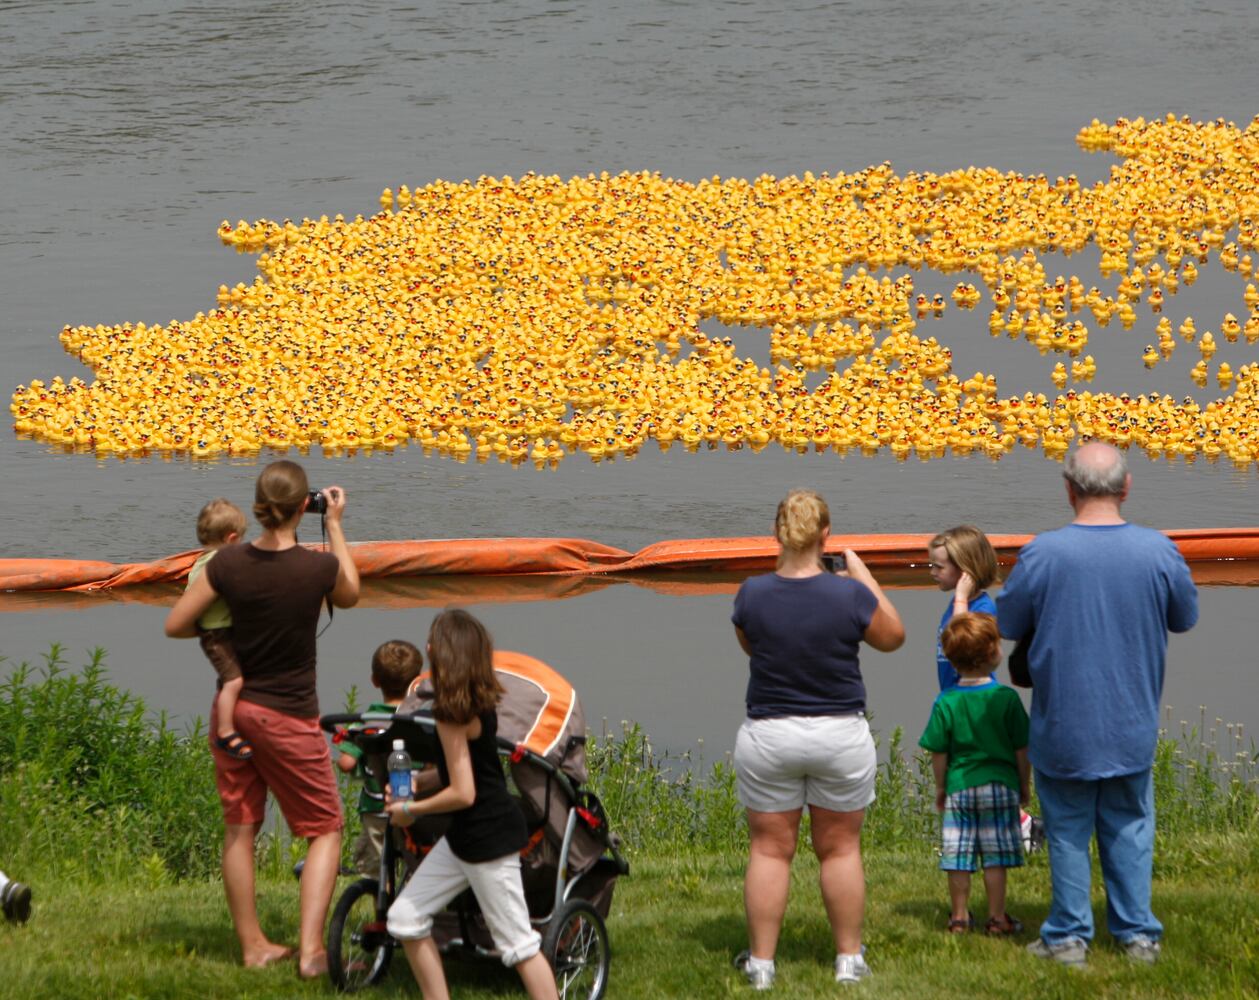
[(981, 822)]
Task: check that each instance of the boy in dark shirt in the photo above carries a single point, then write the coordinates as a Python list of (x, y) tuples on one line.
[(394, 666), (977, 735)]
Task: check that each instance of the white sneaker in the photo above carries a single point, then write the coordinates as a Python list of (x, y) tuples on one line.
[(1142, 949), (1072, 952), (851, 968), (759, 977)]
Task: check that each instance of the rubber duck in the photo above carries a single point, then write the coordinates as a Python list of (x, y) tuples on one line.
[(1084, 369), (1150, 357), (1251, 329)]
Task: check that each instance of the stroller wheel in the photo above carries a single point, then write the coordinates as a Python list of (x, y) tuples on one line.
[(576, 945), (359, 947)]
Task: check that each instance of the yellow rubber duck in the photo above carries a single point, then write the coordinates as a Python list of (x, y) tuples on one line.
[(1084, 369)]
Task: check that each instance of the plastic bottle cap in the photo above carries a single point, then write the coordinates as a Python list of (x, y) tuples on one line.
[(399, 744)]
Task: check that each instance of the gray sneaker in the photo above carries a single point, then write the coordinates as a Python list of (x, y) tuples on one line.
[(759, 978), (1142, 949), (851, 968), (1072, 952)]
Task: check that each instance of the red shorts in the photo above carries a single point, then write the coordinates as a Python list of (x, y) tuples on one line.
[(291, 759)]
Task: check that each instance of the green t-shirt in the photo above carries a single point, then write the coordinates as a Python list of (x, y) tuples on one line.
[(371, 798), (216, 615), (980, 728)]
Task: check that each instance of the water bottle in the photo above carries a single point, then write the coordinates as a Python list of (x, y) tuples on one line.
[(399, 767)]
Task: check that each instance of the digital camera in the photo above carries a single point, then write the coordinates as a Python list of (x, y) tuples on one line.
[(317, 502), (831, 563)]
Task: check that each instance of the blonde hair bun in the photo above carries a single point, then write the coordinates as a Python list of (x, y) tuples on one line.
[(802, 517)]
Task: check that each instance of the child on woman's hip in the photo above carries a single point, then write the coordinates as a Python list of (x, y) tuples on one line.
[(221, 523)]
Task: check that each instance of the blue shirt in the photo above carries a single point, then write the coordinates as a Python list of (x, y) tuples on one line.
[(981, 603), (1101, 599), (804, 633)]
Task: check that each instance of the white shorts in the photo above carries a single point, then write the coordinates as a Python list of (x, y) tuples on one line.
[(496, 885), (824, 760)]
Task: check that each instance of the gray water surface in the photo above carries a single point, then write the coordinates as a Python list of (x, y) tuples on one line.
[(669, 663), (129, 130)]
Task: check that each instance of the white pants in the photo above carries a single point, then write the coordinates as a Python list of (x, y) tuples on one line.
[(825, 760), (496, 885)]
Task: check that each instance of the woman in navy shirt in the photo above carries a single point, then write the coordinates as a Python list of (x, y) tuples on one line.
[(806, 739)]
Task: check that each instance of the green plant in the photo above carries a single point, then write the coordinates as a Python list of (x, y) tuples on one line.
[(92, 784)]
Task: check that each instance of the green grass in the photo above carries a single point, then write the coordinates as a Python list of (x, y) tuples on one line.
[(675, 924), (111, 815)]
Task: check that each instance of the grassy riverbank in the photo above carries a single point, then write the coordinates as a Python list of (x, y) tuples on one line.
[(675, 924), (111, 816)]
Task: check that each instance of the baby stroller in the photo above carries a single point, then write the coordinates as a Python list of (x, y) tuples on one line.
[(569, 867)]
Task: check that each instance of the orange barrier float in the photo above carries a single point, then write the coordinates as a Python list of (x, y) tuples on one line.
[(548, 568)]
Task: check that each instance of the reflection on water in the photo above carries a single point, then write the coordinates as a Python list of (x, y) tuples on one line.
[(643, 653), (129, 130)]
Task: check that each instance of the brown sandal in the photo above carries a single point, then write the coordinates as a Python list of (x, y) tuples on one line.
[(959, 926), (235, 745), (1004, 926)]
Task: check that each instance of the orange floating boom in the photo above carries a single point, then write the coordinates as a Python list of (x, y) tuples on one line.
[(575, 557)]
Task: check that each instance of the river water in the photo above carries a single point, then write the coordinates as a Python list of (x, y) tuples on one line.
[(129, 130)]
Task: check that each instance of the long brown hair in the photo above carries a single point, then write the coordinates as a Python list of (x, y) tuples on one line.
[(281, 491), (462, 657)]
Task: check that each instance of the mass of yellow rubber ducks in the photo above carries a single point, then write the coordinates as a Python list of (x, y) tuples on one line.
[(531, 318)]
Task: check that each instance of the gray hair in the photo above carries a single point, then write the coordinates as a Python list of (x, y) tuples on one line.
[(1104, 478)]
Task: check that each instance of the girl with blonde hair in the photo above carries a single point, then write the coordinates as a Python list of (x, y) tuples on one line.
[(962, 560)]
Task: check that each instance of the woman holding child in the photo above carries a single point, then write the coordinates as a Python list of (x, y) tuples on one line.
[(274, 589), (806, 739)]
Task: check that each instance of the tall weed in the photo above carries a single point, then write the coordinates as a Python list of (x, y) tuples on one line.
[(1207, 787), (94, 786)]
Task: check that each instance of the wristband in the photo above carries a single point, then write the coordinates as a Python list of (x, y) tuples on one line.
[(406, 807)]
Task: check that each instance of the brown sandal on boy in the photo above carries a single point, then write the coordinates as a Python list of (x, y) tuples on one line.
[(958, 925), (1003, 926)]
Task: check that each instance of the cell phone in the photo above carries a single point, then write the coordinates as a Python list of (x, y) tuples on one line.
[(831, 563)]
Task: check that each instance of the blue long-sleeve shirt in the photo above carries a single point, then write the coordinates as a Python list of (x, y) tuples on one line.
[(1101, 599)]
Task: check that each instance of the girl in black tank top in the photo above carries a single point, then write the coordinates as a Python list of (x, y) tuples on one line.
[(487, 829), (493, 825)]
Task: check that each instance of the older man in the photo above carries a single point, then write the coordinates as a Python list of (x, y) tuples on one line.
[(1098, 598)]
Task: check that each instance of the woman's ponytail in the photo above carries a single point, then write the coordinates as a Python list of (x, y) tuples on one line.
[(280, 493)]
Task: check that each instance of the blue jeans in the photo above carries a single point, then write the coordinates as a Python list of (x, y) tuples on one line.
[(1121, 811)]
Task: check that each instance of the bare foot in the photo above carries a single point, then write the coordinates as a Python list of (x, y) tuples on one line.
[(268, 954), (313, 967)]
